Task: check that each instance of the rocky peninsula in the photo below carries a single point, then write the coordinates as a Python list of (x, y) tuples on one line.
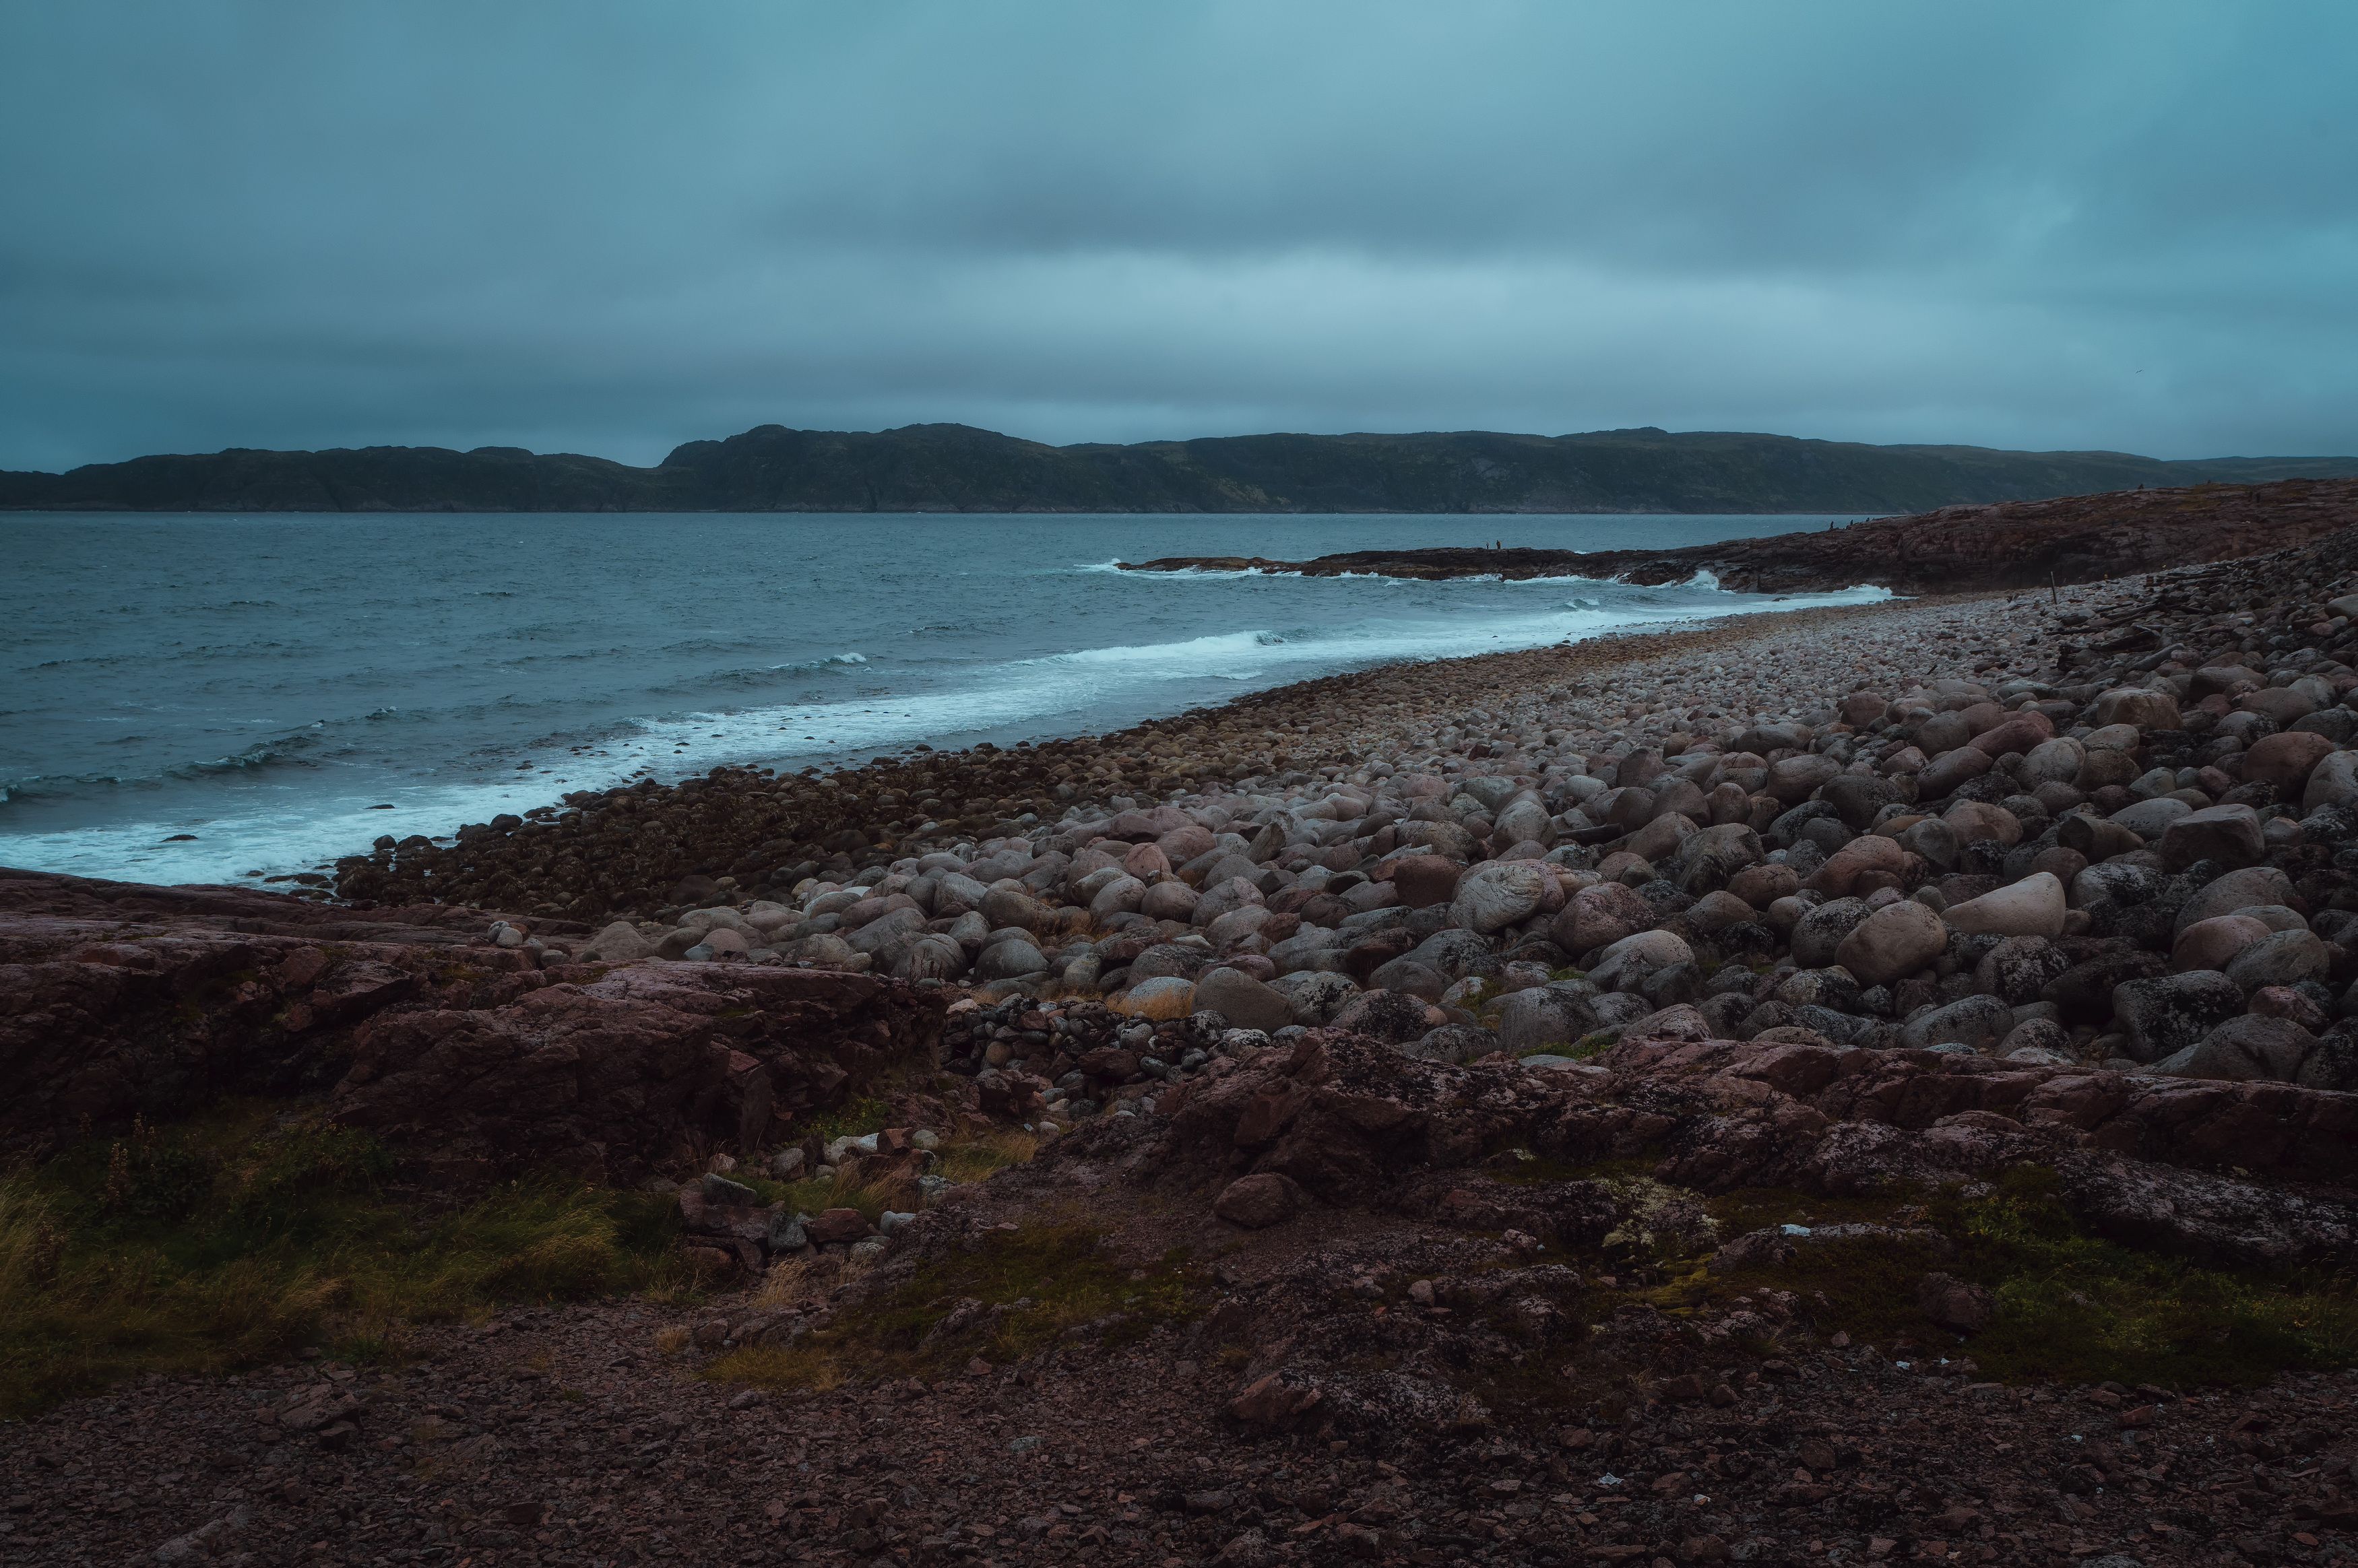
[(1956, 549), (1872, 1084)]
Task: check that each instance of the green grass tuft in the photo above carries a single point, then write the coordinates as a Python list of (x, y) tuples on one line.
[(236, 1238)]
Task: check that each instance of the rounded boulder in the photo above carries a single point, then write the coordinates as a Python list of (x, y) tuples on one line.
[(1892, 943), (2032, 907)]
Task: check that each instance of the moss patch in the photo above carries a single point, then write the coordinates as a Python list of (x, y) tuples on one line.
[(1014, 1293), (2069, 1306), (237, 1238)]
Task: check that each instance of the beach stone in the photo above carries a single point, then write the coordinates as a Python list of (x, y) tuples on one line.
[(1541, 1016), (2047, 1042), (1012, 906), (1159, 997), (932, 957), (1772, 735), (2281, 958), (1170, 901), (1426, 880), (1941, 777), (1010, 961), (955, 894), (1121, 896), (1932, 840), (1502, 893), (2279, 705), (2213, 943), (2019, 968), (2019, 733), (2284, 1002), (1821, 931), (1232, 893), (1388, 1016), (1717, 910), (2249, 888), (1166, 960), (2032, 907), (2245, 1048), (1524, 821), (2084, 993), (1452, 950), (1714, 856), (1452, 1043), (2131, 704), (1313, 995), (1409, 976), (1762, 886), (1146, 862), (2149, 819), (1795, 779), (1857, 798), (1244, 1002), (2163, 1016), (1891, 943), (1238, 924), (1185, 842), (1314, 949), (1260, 1200), (1446, 839), (618, 943), (1838, 878), (2055, 761), (1661, 838), (1979, 1022), (2333, 782), (1954, 1304), (1976, 821), (2333, 1062), (2285, 760), (1598, 916), (2230, 835), (1633, 957)]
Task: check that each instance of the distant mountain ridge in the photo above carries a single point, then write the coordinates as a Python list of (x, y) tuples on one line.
[(957, 467)]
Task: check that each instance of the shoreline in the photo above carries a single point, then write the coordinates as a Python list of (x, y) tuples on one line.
[(1241, 739)]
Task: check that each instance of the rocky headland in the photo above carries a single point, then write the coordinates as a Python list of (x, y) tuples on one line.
[(957, 467), (1956, 549), (1863, 1084)]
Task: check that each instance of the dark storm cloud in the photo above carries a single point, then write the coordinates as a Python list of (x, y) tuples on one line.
[(613, 228)]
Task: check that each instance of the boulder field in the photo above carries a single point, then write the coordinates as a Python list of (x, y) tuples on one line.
[(2117, 835)]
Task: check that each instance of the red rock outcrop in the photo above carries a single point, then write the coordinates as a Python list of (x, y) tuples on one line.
[(471, 1058), (2246, 1172)]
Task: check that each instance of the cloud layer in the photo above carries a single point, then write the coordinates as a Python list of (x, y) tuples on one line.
[(612, 227)]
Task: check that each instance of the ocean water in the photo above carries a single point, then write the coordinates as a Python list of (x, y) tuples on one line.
[(217, 698)]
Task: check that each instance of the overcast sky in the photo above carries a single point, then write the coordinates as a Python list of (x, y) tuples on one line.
[(613, 228)]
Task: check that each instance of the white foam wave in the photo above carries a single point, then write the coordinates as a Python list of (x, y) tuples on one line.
[(277, 830)]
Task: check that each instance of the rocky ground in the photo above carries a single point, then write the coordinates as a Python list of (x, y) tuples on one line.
[(2005, 544), (1859, 1084)]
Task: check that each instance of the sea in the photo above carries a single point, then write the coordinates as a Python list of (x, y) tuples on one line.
[(225, 699)]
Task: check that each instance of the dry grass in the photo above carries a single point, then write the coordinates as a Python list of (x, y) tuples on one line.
[(972, 1158), (236, 1239)]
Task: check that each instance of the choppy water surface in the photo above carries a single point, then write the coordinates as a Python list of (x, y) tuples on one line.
[(206, 698)]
